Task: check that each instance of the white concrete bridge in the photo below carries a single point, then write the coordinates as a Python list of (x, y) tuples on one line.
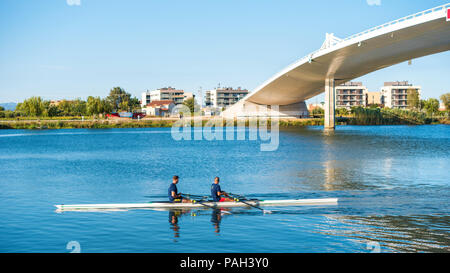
[(341, 60)]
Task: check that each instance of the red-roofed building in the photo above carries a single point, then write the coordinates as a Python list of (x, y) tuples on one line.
[(161, 108)]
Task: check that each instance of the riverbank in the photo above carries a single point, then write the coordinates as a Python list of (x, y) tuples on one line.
[(84, 124), (169, 122), (127, 123)]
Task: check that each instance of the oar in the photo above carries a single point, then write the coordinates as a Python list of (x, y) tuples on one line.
[(194, 195), (211, 207), (163, 196), (208, 206), (248, 204), (195, 201)]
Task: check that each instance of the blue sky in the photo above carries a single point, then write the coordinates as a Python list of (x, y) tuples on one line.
[(56, 50)]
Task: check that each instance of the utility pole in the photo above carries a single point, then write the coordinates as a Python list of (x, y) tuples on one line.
[(201, 96)]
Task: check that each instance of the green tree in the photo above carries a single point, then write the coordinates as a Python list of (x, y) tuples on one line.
[(191, 103), (33, 106), (53, 111), (19, 109), (2, 108), (422, 104), (124, 105), (413, 99), (65, 107), (431, 106), (106, 107), (94, 106), (119, 99), (445, 98), (135, 104), (78, 107)]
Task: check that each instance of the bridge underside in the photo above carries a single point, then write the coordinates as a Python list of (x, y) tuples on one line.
[(349, 60), (245, 109), (346, 60)]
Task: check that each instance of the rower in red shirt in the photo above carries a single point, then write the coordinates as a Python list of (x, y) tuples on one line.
[(217, 194)]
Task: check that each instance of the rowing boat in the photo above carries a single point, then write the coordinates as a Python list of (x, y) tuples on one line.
[(163, 204), (170, 205)]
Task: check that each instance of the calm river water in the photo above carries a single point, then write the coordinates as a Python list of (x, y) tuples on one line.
[(393, 183)]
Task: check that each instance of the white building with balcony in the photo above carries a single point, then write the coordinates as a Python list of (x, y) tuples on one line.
[(224, 97), (395, 94), (350, 94), (178, 96)]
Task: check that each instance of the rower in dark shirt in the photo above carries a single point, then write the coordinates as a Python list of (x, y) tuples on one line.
[(174, 196), (217, 194)]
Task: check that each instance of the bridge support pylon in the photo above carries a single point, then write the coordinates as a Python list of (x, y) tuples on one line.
[(330, 105)]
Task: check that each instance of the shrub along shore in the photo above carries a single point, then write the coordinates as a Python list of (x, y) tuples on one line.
[(36, 113), (128, 123), (358, 119)]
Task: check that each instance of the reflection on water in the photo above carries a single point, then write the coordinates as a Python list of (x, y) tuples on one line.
[(174, 214), (173, 220), (339, 171), (415, 233), (419, 233), (216, 218), (329, 166), (354, 158)]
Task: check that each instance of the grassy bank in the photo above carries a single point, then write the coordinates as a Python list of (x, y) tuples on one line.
[(374, 117), (102, 124), (19, 118), (377, 116), (99, 124)]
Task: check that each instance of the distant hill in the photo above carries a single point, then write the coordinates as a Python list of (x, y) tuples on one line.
[(9, 105)]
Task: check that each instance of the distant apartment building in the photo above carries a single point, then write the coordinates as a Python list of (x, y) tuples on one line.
[(395, 94), (58, 102), (55, 102), (164, 94), (350, 94), (373, 98), (224, 97), (188, 95)]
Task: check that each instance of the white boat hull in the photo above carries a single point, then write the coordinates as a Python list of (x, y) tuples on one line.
[(169, 205)]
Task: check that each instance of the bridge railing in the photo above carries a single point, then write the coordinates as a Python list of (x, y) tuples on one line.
[(406, 18)]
